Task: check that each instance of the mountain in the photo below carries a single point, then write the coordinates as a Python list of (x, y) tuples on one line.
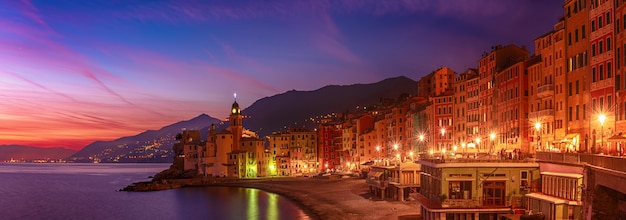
[(266, 115), (27, 153), (292, 108), (148, 146)]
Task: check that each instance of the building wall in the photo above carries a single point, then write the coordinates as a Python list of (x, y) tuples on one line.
[(620, 66), (511, 109), (223, 143), (602, 75), (577, 57)]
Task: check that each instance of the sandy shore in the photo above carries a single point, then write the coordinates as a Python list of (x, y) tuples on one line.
[(334, 198)]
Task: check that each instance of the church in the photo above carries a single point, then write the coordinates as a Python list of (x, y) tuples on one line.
[(233, 152)]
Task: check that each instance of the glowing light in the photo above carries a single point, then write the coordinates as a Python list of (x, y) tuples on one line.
[(492, 136), (537, 126), (601, 118), (395, 146), (421, 137)]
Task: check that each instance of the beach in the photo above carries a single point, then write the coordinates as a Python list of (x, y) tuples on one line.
[(334, 198)]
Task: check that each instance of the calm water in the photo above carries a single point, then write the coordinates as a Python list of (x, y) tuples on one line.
[(88, 191)]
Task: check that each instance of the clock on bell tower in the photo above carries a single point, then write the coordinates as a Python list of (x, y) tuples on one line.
[(236, 126)]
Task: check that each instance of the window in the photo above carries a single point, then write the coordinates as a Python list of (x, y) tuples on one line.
[(593, 74), (608, 44), (601, 72), (577, 87), (593, 50), (609, 72), (582, 31), (619, 58), (460, 189), (600, 47), (576, 35), (570, 113), (593, 25), (570, 89), (608, 17), (600, 22), (524, 179), (569, 38)]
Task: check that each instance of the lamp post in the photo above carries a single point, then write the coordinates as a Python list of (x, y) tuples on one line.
[(537, 127), (601, 118), (492, 136)]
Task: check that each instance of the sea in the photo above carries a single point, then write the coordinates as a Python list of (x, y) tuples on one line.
[(91, 191)]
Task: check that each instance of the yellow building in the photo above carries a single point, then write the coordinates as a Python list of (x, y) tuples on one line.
[(473, 189)]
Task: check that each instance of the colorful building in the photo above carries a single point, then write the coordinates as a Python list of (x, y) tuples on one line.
[(473, 189)]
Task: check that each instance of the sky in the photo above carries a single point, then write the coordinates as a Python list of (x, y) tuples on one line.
[(73, 72)]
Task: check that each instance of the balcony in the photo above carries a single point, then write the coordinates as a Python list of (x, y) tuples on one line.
[(545, 91), (541, 113)]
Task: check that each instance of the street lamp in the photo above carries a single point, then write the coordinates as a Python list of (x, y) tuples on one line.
[(422, 142), (478, 143), (537, 127), (492, 136), (601, 118)]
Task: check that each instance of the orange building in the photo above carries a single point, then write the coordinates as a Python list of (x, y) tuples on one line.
[(488, 66), (546, 78), (602, 75), (512, 127), (577, 80), (460, 108)]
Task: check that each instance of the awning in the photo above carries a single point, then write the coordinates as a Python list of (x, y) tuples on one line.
[(570, 137), (616, 138), (375, 174), (368, 163)]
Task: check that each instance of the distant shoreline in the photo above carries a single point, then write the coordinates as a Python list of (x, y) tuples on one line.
[(320, 198)]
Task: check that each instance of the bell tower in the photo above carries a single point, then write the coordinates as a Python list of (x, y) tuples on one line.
[(236, 126)]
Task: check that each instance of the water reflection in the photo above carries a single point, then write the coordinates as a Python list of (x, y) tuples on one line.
[(253, 209), (235, 203)]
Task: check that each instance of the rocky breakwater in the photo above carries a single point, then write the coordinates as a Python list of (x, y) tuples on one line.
[(171, 178)]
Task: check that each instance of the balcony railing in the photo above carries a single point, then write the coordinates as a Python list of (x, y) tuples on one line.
[(604, 161), (545, 90), (542, 113)]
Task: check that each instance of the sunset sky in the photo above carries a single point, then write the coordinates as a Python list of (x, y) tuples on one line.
[(72, 72)]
